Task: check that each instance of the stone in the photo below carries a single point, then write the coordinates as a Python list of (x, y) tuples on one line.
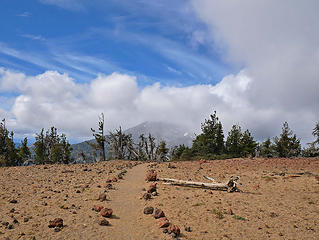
[(163, 222), (152, 188), (97, 208), (102, 197), (26, 219), (188, 229), (13, 201), (165, 230), (147, 196), (174, 229), (154, 194), (158, 213), (151, 176), (103, 222), (148, 210), (57, 222), (106, 212)]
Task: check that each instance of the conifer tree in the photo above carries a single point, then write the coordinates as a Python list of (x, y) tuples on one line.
[(267, 148), (8, 152), (233, 141), (248, 144), (100, 137), (287, 145), (211, 140), (24, 151), (162, 151)]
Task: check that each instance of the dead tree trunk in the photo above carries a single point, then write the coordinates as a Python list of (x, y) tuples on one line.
[(229, 186)]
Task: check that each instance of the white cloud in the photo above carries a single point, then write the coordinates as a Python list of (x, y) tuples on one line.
[(56, 99), (277, 42), (74, 5)]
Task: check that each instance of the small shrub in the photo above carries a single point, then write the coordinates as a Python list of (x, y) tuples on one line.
[(239, 218), (198, 204)]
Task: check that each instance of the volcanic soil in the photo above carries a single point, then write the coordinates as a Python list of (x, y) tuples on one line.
[(278, 200)]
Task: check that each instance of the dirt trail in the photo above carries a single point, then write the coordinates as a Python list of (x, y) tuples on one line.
[(128, 208)]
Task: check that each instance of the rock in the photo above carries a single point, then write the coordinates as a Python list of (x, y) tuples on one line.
[(103, 222), (97, 208), (188, 229), (171, 165), (10, 226), (114, 179), (12, 210), (147, 196), (174, 229), (158, 213), (102, 197), (57, 229), (13, 201), (148, 210), (78, 191), (163, 222), (15, 221), (109, 186), (152, 188), (57, 222), (154, 194), (173, 235), (165, 230), (26, 219), (151, 176), (106, 212)]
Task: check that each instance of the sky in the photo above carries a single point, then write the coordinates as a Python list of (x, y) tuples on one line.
[(63, 62)]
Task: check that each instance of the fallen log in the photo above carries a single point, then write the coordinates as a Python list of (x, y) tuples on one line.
[(229, 186)]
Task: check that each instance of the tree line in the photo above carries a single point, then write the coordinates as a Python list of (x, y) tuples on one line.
[(121, 145), (50, 147), (211, 143)]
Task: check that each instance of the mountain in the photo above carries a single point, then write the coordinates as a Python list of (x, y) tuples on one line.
[(172, 134)]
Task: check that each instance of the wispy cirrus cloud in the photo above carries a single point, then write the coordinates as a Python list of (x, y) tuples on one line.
[(33, 37), (24, 14), (73, 5)]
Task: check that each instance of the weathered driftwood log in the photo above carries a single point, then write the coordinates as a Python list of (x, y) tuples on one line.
[(229, 186)]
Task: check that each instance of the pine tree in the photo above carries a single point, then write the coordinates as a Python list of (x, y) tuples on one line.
[(52, 148), (100, 137), (40, 148), (8, 152), (162, 151), (24, 151), (211, 140), (267, 148), (121, 145), (315, 133), (248, 145), (287, 145), (177, 152), (233, 141)]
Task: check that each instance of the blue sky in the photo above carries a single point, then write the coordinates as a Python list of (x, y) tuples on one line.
[(63, 62), (84, 38)]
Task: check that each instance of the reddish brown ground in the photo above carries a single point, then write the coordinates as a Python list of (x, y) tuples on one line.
[(279, 200)]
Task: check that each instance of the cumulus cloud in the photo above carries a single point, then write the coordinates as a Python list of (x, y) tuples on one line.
[(56, 99), (277, 42)]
